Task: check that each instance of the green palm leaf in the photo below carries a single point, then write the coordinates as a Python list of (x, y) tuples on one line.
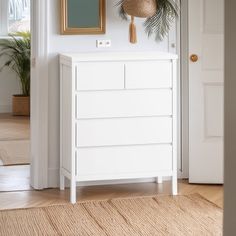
[(121, 11), (16, 53)]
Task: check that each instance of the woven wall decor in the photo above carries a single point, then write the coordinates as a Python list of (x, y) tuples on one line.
[(159, 16), (140, 8)]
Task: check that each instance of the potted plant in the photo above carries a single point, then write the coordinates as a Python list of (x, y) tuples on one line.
[(159, 15), (16, 53)]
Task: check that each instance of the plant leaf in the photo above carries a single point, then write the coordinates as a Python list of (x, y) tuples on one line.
[(16, 53), (159, 24)]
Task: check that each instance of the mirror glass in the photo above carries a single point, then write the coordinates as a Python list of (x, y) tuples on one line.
[(83, 16), (78, 16)]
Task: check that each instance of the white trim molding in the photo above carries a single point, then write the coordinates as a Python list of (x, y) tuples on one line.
[(182, 48), (184, 59), (178, 43), (39, 94), (3, 17)]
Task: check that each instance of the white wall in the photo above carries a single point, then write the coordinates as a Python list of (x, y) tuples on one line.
[(230, 120), (9, 85), (117, 31)]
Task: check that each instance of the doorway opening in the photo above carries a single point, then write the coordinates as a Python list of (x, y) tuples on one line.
[(15, 95)]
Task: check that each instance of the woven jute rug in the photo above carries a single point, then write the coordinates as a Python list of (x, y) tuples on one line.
[(14, 140), (159, 215), (149, 216), (15, 152)]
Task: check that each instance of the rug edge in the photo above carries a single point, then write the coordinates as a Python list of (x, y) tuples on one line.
[(109, 199)]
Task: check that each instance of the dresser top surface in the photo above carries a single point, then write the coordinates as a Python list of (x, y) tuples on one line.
[(117, 56)]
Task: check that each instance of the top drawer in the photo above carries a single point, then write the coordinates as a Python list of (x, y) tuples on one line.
[(100, 76), (149, 74)]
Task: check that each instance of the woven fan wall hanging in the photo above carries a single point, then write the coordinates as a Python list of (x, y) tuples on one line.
[(159, 16)]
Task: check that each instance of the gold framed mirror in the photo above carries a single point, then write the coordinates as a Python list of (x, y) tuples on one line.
[(83, 17)]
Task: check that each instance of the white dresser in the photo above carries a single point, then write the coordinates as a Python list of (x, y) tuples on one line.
[(118, 117)]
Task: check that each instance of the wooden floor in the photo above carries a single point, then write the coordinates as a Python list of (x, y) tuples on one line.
[(25, 199), (14, 139), (14, 178), (14, 127)]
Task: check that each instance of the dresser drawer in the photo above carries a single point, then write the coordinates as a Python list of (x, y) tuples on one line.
[(126, 103), (123, 131), (152, 74), (99, 76), (123, 162)]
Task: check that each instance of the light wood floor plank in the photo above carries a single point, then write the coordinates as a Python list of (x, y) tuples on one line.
[(14, 178), (22, 199)]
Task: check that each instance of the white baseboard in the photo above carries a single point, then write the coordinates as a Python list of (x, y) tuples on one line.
[(53, 182), (5, 108)]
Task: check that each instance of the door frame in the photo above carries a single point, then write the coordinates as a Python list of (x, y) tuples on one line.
[(177, 40), (39, 93), (183, 51)]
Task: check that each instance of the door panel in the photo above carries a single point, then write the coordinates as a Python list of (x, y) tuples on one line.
[(206, 81), (213, 105)]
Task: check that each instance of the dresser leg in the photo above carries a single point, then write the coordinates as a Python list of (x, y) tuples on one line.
[(159, 180), (62, 182), (174, 185), (73, 192)]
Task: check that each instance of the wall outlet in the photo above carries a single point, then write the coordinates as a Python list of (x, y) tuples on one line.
[(100, 44), (104, 43), (108, 43)]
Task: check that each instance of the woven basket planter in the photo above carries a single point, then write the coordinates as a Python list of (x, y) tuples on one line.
[(20, 105), (140, 8), (159, 16)]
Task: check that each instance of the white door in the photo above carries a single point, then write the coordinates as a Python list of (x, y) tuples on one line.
[(206, 81)]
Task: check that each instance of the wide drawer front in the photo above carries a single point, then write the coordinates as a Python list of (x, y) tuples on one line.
[(123, 131), (99, 76), (127, 103), (124, 160), (152, 74)]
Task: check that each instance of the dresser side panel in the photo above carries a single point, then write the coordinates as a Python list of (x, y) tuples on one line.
[(66, 117)]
